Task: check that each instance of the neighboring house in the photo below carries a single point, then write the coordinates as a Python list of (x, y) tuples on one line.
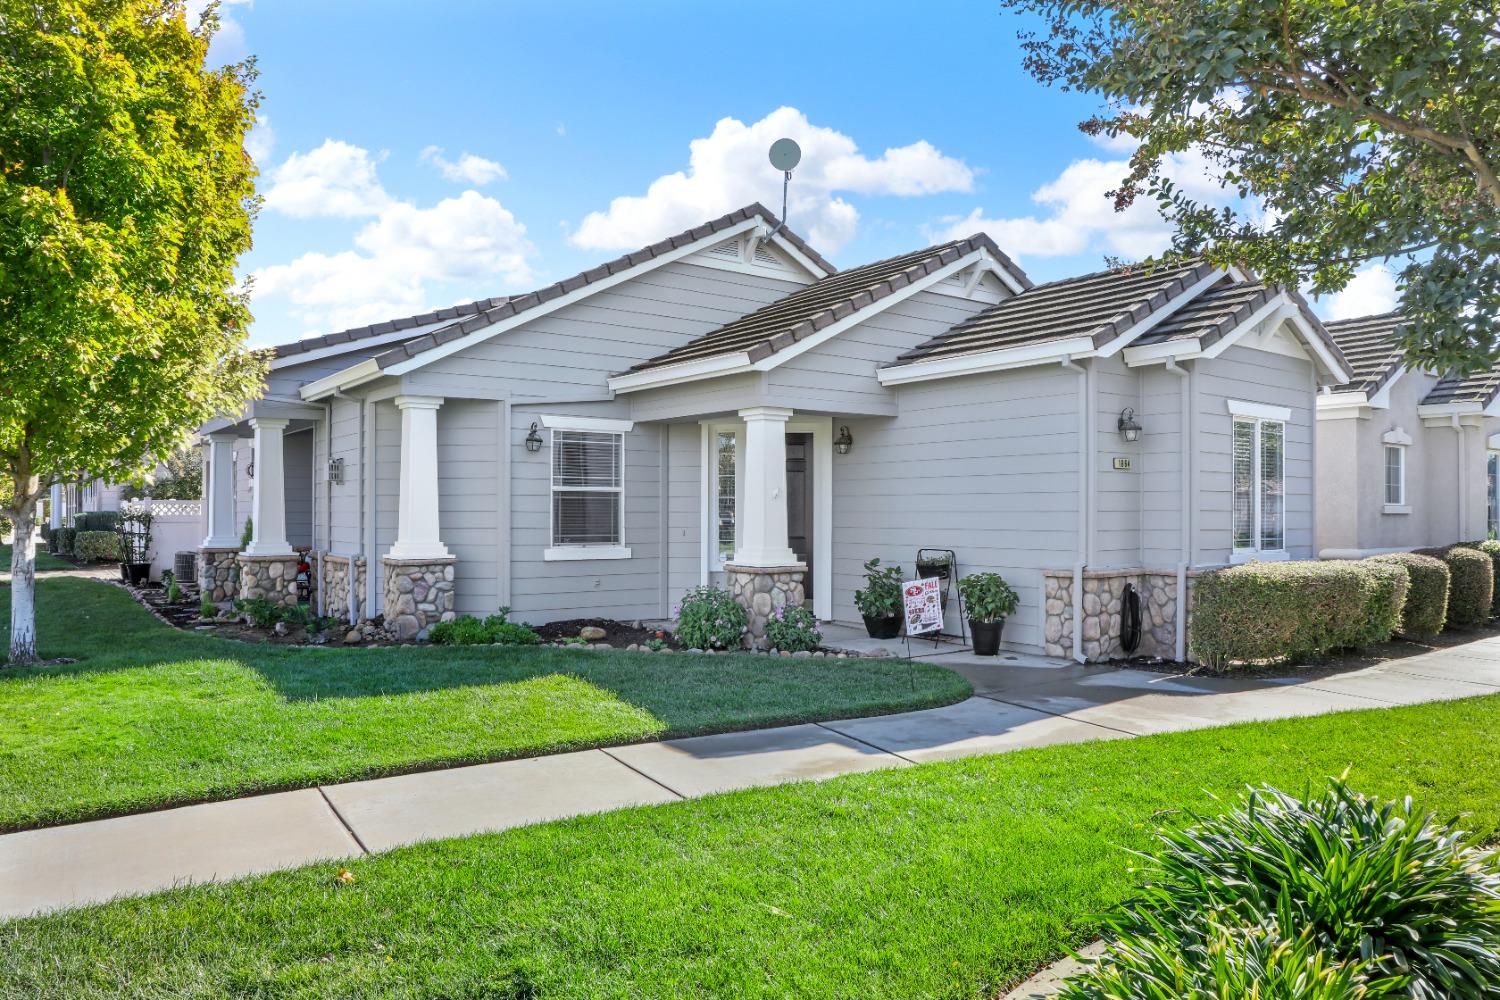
[(724, 407), (1406, 458)]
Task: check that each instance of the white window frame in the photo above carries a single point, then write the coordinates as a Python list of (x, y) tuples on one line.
[(575, 552), (711, 432), (1492, 495), (1258, 415), (1398, 441)]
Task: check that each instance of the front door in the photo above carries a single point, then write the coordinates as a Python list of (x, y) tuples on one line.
[(799, 503)]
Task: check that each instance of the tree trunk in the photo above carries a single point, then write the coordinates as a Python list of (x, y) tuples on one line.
[(23, 583)]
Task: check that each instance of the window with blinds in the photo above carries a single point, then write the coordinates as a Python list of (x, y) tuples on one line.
[(1258, 491), (1395, 475), (587, 487), (724, 493)]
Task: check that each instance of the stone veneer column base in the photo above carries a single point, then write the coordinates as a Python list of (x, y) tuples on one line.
[(273, 578), (418, 595), (762, 589), (216, 574), (333, 585), (1103, 599)]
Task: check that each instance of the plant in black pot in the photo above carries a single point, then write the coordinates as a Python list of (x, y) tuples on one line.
[(988, 599), (134, 529), (880, 600)]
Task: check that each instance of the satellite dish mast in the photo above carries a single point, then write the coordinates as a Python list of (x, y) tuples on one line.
[(785, 155)]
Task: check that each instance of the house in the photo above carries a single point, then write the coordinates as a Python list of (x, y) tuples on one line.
[(725, 407), (1407, 458)]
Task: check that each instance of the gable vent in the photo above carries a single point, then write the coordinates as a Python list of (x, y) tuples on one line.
[(764, 256), (731, 250)]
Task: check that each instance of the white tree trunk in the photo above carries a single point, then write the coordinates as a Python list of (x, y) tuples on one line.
[(23, 583)]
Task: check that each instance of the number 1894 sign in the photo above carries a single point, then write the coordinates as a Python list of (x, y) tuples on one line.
[(924, 605)]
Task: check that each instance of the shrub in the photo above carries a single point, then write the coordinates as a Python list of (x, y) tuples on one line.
[(247, 533), (1491, 548), (96, 546), (987, 597), (881, 596), (470, 631), (96, 520), (1426, 606), (206, 608), (1408, 905), (793, 628), (62, 540), (261, 612), (1292, 610), (709, 618), (1471, 589)]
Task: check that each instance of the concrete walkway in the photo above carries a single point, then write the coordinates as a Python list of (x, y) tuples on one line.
[(1019, 702)]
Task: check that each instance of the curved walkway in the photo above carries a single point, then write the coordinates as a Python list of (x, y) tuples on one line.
[(1024, 703)]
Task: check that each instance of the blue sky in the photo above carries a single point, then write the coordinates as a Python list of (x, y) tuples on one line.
[(416, 155)]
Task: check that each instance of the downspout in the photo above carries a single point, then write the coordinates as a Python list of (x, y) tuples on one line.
[(353, 555), (1083, 503), (1184, 474), (327, 498), (1463, 477)]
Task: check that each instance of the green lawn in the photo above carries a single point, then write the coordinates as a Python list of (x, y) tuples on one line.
[(946, 880), (152, 716), (44, 560)]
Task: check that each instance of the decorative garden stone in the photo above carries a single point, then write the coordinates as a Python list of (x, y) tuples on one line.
[(418, 595), (763, 589)]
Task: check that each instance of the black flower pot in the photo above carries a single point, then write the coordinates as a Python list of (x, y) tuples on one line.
[(136, 573), (883, 628), (986, 637)]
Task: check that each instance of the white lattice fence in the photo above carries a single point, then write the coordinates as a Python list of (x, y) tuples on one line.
[(176, 526)]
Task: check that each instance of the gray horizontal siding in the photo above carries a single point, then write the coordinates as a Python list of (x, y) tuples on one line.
[(468, 511)]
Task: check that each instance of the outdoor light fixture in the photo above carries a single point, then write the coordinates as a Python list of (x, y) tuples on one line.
[(336, 470), (1129, 429), (844, 441), (534, 439), (250, 469)]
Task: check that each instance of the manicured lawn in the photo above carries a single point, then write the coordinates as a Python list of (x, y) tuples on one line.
[(945, 880), (44, 560), (153, 716)]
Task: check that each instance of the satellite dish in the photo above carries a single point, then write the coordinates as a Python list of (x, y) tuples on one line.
[(785, 155)]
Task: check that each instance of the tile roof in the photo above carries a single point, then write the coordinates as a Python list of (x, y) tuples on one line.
[(357, 333), (1099, 306), (1212, 315), (518, 304), (1369, 345), (1481, 387), (804, 312)]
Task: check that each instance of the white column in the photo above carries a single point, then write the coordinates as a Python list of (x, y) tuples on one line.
[(218, 493), (417, 514), (55, 514), (762, 528), (268, 491)]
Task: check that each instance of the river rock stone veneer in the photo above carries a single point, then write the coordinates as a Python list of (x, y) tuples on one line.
[(333, 585), (418, 595), (216, 574), (273, 578), (1103, 599), (761, 590)]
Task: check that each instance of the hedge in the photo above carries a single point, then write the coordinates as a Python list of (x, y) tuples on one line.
[(1471, 590), (62, 540), (96, 546), (1293, 610), (1426, 607), (1491, 548), (96, 520)]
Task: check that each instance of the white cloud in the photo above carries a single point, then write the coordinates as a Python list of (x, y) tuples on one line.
[(335, 179), (728, 169), (471, 241), (261, 140), (1370, 292), (469, 168)]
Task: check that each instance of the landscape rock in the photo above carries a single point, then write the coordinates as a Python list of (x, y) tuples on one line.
[(592, 633)]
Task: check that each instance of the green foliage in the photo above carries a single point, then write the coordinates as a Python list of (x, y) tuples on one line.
[(656, 645), (1471, 588), (1407, 906), (1293, 610), (96, 520), (261, 612), (709, 618), (467, 630), (987, 597), (1426, 606), (881, 596), (62, 540), (134, 528), (169, 581), (96, 546), (792, 628), (182, 478), (1351, 132), (247, 533), (206, 608), (1491, 548)]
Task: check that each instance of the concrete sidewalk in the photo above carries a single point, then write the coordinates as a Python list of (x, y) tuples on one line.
[(1019, 702)]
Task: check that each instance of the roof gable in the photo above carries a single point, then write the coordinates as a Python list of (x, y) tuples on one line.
[(1370, 346)]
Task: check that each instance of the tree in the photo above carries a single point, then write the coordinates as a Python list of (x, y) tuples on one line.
[(179, 476), (1362, 131), (126, 199)]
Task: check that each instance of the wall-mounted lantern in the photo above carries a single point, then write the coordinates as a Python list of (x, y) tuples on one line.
[(336, 470), (250, 468), (534, 439), (1129, 429), (844, 441)]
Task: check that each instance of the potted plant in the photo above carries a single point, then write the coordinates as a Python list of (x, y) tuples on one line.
[(988, 599), (880, 600), (134, 529)]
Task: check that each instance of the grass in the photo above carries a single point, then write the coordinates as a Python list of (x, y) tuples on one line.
[(152, 716), (44, 560), (945, 880)]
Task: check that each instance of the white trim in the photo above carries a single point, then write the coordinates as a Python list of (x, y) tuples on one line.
[(1166, 309), (1241, 556), (366, 371), (579, 553), (1493, 442), (1329, 401), (1075, 348), (1436, 410), (604, 425), (1266, 311), (1260, 411), (712, 429), (685, 371), (1396, 436), (1382, 398), (1396, 508), (351, 346)]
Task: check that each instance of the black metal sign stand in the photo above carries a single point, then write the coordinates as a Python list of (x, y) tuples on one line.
[(949, 575)]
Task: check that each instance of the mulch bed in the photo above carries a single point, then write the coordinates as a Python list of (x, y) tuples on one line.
[(616, 634)]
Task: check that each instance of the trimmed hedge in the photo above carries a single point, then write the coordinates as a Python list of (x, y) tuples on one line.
[(1426, 607), (96, 520), (1491, 548), (61, 541), (1471, 590), (96, 546), (1293, 610)]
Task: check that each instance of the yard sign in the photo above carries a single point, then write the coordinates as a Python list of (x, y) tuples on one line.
[(924, 605)]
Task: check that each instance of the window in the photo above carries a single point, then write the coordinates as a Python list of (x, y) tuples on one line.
[(1395, 475), (1259, 496), (1492, 518), (587, 488), (725, 443)]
